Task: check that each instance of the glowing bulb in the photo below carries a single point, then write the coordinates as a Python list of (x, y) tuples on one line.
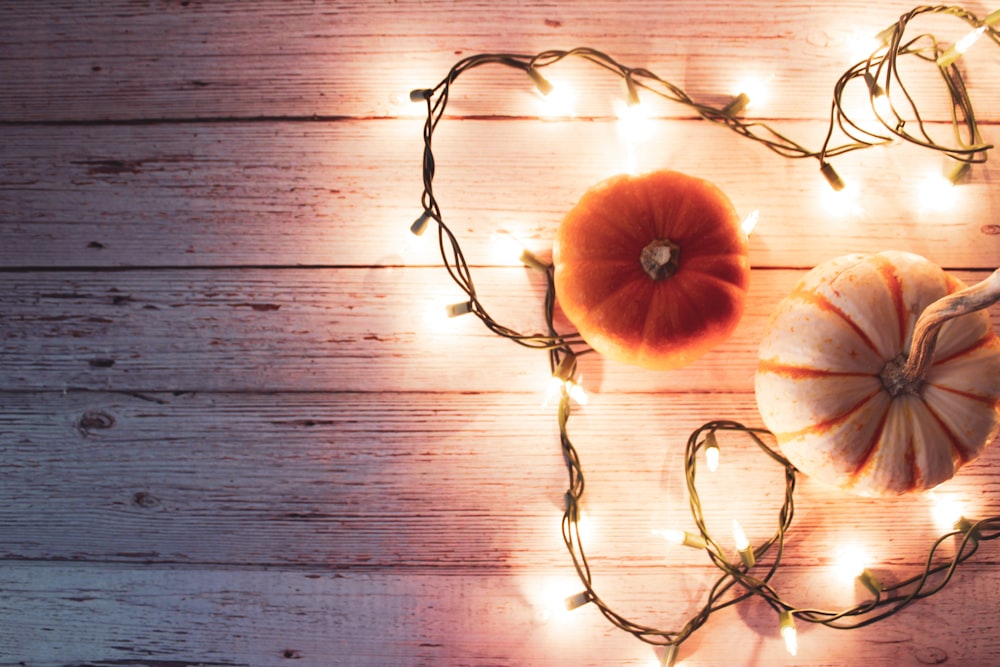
[(947, 511), (419, 225), (584, 527), (750, 222), (634, 123), (842, 203), (505, 248), (712, 458), (681, 537), (851, 561), (960, 47), (456, 309), (743, 545), (936, 193), (788, 633), (576, 600), (752, 90), (577, 393), (543, 85), (559, 102)]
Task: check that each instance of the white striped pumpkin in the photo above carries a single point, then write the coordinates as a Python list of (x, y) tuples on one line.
[(826, 352)]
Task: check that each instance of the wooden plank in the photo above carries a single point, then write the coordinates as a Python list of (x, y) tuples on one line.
[(345, 193), (455, 483), (122, 60), (70, 615), (320, 330)]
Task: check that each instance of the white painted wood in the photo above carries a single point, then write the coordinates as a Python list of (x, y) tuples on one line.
[(319, 330), (345, 193), (230, 434), (120, 60), (105, 615)]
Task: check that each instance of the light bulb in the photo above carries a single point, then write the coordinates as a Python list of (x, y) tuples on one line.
[(634, 124), (577, 393), (947, 511), (559, 102), (681, 537), (936, 193), (960, 47), (750, 222), (743, 545), (456, 309), (788, 633), (851, 561), (577, 600)]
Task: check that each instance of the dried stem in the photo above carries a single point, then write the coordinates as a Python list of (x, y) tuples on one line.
[(906, 373)]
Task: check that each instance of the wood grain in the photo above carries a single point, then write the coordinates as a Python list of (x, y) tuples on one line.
[(319, 329), (125, 60), (235, 428), (293, 194)]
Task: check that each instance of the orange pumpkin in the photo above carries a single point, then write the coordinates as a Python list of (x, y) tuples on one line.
[(881, 374), (652, 270)]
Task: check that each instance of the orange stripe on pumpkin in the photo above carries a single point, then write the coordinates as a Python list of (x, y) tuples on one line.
[(802, 372), (957, 445), (822, 303), (891, 280), (823, 426), (986, 400), (988, 340), (867, 459)]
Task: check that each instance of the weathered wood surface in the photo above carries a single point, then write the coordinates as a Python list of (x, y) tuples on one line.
[(318, 193), (235, 428)]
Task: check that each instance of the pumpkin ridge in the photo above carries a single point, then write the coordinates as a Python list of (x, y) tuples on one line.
[(802, 372), (828, 424), (985, 341), (895, 287), (868, 458), (707, 276), (986, 400), (822, 303), (958, 451)]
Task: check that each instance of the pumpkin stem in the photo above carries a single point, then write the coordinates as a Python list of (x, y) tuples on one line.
[(660, 259), (906, 373)]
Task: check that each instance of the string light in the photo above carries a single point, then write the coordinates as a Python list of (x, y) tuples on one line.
[(743, 545), (750, 222), (733, 584), (682, 538), (786, 623), (711, 452), (461, 308)]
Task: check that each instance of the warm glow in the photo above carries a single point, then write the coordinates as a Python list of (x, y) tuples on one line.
[(576, 392), (585, 527), (960, 47), (851, 561), (936, 193), (505, 248), (754, 88), (883, 107), (549, 599), (788, 633), (740, 537), (947, 510), (968, 40), (841, 203), (861, 45), (748, 225), (560, 102), (712, 458), (670, 535), (634, 123)]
